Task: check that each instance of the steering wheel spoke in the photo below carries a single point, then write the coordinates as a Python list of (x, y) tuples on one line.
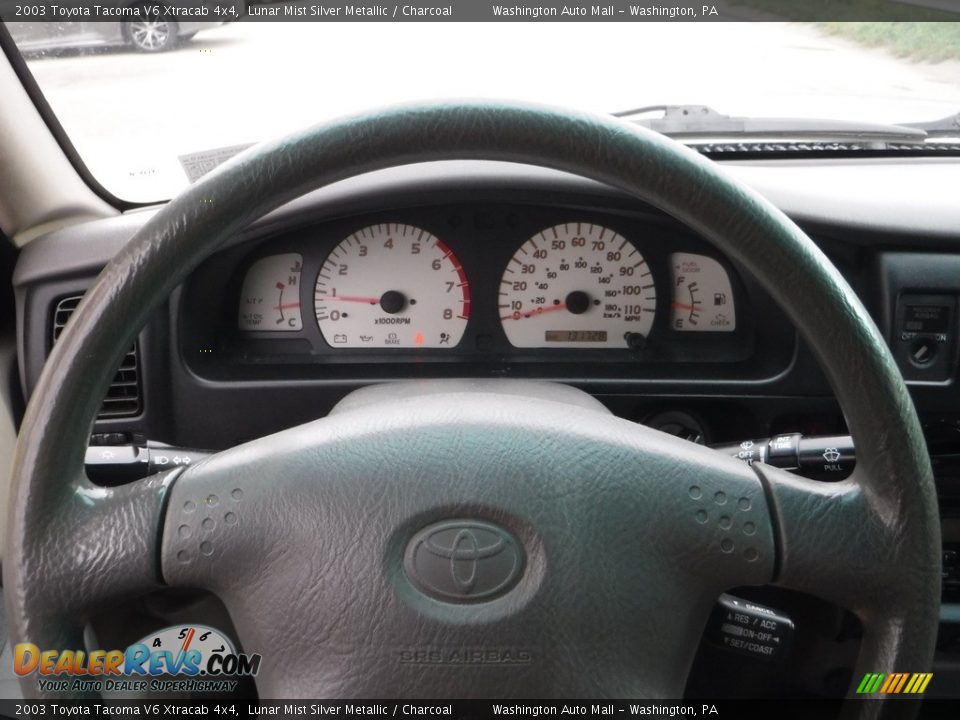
[(839, 543), (95, 545), (831, 543)]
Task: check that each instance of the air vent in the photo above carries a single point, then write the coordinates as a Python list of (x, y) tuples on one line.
[(123, 396)]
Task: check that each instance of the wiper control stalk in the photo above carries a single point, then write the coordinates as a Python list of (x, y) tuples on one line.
[(827, 457)]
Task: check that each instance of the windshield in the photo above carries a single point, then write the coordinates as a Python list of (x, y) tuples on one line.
[(150, 108)]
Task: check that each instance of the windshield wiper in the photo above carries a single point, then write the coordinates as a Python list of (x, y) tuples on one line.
[(699, 121), (944, 127)]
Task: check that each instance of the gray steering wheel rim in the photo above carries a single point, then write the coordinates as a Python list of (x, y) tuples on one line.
[(48, 484)]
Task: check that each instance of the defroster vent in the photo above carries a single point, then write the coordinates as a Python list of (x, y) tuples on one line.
[(123, 398)]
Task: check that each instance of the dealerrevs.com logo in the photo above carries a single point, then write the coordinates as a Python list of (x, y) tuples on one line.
[(181, 658)]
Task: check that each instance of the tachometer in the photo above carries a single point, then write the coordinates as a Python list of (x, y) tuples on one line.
[(577, 285), (392, 286)]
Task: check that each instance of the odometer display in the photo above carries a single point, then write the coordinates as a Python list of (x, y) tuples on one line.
[(575, 336), (577, 285), (392, 286)]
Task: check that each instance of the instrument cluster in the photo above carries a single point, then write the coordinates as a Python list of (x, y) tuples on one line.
[(581, 283)]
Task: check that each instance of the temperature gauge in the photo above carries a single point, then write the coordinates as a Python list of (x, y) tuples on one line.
[(270, 299), (702, 296)]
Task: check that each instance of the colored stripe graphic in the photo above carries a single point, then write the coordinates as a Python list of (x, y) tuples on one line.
[(901, 683), (894, 683), (911, 683), (890, 682), (870, 683)]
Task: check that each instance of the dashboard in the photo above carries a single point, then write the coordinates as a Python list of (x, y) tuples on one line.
[(445, 270), (487, 270)]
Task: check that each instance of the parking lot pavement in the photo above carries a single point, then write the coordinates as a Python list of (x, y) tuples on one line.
[(131, 115)]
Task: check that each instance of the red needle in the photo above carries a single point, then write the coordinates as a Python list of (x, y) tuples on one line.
[(286, 306), (538, 311), (681, 306), (350, 298), (187, 639)]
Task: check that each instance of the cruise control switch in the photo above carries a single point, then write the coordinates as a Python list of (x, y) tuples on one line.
[(749, 628), (827, 457)]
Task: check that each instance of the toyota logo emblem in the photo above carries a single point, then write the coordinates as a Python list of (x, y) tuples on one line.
[(464, 560)]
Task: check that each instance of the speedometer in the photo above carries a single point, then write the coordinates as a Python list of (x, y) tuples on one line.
[(577, 285), (392, 286)]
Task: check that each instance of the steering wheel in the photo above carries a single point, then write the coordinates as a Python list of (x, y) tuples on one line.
[(555, 549)]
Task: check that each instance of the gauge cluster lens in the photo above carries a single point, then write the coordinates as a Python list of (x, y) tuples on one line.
[(270, 296), (702, 296), (392, 286), (577, 285)]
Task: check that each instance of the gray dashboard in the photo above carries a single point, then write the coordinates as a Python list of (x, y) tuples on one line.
[(864, 213)]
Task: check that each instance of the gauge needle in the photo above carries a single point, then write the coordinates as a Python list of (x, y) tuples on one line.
[(186, 644), (351, 298), (186, 641), (681, 306), (286, 306), (538, 311)]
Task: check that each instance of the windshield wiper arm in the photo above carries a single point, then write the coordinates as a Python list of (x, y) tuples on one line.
[(700, 121), (944, 127)]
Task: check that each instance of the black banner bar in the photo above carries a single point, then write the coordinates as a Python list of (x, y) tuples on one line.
[(483, 10), (468, 709)]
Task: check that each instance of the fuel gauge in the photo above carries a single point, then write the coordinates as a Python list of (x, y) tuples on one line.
[(270, 298), (702, 295)]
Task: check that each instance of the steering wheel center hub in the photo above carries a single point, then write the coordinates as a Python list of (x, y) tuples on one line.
[(463, 561)]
